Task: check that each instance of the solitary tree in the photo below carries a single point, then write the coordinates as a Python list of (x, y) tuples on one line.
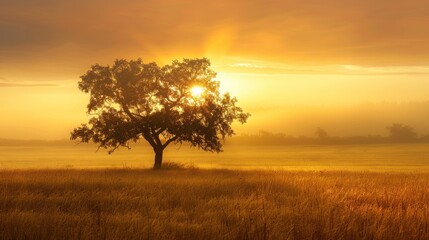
[(180, 102), (321, 133), (402, 133)]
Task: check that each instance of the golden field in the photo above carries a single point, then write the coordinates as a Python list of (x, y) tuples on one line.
[(370, 157), (195, 203)]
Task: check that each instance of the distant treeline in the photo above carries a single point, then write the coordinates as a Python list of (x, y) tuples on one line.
[(398, 133)]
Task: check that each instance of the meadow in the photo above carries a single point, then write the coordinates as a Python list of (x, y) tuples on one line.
[(375, 157), (294, 192), (212, 204)]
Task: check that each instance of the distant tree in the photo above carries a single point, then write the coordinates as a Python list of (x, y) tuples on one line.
[(320, 133), (401, 133), (180, 102)]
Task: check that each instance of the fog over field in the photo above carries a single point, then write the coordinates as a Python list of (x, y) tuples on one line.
[(190, 119), (378, 157)]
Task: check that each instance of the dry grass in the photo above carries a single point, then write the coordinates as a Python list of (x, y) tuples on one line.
[(212, 204)]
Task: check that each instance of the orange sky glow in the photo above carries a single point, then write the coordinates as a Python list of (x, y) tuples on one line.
[(350, 67)]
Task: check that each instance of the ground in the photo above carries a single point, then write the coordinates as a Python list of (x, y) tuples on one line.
[(213, 204)]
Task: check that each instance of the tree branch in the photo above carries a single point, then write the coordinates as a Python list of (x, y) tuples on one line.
[(127, 111), (170, 141), (160, 130), (156, 137), (147, 136)]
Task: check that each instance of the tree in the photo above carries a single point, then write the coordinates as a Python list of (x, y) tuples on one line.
[(321, 133), (402, 133), (180, 102)]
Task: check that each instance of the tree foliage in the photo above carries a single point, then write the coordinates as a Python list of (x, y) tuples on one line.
[(400, 132), (321, 133), (133, 100)]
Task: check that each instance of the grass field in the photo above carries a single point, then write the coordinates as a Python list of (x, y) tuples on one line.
[(293, 192), (377, 157), (212, 204)]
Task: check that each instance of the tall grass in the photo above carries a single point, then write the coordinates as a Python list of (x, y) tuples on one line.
[(212, 204)]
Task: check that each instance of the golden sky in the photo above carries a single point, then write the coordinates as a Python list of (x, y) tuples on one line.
[(351, 67)]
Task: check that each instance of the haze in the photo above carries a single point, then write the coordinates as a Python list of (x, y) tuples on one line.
[(350, 67)]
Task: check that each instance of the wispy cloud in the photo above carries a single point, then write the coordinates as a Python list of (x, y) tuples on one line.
[(246, 65), (251, 66), (299, 32), (7, 83)]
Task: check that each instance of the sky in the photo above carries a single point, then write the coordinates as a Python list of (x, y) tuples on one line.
[(351, 67)]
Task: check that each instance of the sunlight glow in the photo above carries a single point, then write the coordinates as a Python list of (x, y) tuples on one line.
[(197, 91)]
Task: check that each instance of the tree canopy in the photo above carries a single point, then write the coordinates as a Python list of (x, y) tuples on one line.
[(402, 133), (133, 100)]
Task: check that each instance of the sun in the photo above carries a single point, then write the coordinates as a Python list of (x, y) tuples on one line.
[(197, 91)]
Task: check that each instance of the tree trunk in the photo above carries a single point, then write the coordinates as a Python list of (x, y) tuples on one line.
[(158, 158)]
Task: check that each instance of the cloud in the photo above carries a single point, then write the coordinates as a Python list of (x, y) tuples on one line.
[(358, 32), (250, 66), (47, 40), (6, 83), (26, 85)]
